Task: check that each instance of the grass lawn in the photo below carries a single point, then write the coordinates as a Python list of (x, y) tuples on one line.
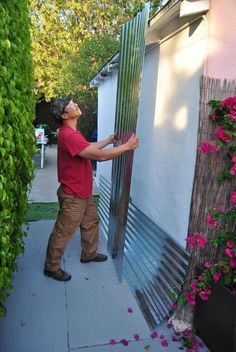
[(45, 211)]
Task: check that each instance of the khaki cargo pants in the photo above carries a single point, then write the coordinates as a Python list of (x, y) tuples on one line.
[(74, 212)]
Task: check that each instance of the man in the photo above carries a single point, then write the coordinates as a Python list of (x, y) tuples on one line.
[(77, 207)]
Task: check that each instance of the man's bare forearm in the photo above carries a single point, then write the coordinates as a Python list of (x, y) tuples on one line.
[(109, 154), (101, 144), (94, 153)]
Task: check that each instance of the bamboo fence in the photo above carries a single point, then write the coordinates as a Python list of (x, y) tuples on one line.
[(208, 192)]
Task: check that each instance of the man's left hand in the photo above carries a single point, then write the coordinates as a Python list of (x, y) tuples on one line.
[(112, 138)]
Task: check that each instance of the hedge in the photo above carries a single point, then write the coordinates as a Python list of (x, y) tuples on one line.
[(16, 135)]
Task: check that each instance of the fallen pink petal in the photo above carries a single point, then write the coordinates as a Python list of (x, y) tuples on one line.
[(112, 342), (154, 335), (136, 337), (186, 332), (164, 343), (162, 337), (130, 310), (124, 342)]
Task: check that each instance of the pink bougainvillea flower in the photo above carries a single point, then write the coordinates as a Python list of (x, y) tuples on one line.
[(201, 278), (136, 337), (194, 239), (204, 295), (211, 221), (164, 343), (208, 147), (214, 117), (229, 252), (234, 158), (232, 171), (124, 342), (191, 240), (233, 198), (130, 310), (229, 102), (219, 209), (162, 337), (201, 241), (194, 287), (232, 263), (216, 277), (225, 270), (232, 115), (222, 135), (208, 264), (189, 298), (154, 335), (112, 342), (230, 244)]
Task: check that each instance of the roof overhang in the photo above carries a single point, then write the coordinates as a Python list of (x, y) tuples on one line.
[(172, 16), (105, 71)]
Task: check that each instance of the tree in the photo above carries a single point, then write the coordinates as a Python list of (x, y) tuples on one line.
[(59, 28), (92, 54)]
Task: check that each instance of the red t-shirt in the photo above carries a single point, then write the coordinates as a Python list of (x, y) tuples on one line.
[(74, 173)]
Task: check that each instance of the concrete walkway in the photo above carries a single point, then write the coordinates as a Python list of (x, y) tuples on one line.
[(84, 314), (45, 184)]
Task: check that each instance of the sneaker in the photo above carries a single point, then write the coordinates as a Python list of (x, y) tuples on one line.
[(58, 275), (98, 259)]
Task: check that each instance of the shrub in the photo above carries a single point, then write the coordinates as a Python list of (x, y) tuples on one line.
[(16, 135)]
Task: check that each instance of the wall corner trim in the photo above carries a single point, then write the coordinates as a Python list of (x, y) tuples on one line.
[(191, 7)]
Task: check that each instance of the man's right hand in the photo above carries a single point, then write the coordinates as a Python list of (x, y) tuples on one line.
[(133, 142)]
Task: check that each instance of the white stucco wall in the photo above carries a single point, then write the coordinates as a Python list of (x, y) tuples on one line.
[(221, 19), (167, 125), (106, 118), (164, 164)]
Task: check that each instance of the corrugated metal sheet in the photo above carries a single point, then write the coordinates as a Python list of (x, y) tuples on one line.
[(154, 264), (131, 60)]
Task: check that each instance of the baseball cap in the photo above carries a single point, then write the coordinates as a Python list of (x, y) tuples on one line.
[(58, 106)]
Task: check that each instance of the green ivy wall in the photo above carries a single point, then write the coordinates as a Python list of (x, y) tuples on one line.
[(16, 134)]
